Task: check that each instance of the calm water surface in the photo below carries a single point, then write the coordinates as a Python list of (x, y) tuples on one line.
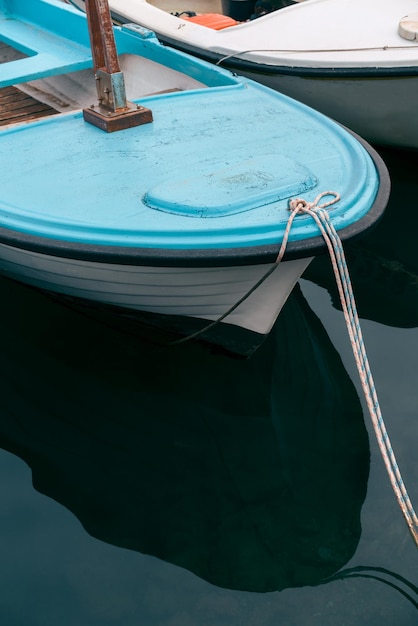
[(181, 487)]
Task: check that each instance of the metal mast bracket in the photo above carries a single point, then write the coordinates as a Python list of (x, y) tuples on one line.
[(113, 112)]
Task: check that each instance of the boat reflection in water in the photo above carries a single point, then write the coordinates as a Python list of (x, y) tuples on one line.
[(249, 473), (384, 265)]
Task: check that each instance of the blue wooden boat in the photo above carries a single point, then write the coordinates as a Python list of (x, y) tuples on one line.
[(155, 186)]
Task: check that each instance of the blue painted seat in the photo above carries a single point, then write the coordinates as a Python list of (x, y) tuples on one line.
[(49, 52)]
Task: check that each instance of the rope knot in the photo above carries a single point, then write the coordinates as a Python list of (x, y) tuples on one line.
[(299, 205)]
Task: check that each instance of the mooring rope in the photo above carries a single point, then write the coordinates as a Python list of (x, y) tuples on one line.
[(339, 265), (337, 256), (389, 578)]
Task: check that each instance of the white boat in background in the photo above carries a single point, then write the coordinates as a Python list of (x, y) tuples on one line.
[(354, 60), (165, 207)]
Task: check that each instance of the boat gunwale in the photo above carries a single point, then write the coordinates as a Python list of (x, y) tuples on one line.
[(232, 61)]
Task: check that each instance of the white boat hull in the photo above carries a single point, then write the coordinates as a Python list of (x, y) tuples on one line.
[(198, 293)]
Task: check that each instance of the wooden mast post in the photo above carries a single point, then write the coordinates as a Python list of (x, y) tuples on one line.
[(113, 112)]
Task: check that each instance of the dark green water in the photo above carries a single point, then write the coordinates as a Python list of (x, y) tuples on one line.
[(158, 486)]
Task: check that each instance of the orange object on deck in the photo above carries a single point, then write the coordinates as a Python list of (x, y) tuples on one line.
[(217, 21)]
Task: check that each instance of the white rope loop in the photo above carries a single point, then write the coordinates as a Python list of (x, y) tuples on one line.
[(336, 252)]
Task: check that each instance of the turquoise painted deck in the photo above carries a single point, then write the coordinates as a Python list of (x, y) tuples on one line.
[(69, 180), (215, 169)]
